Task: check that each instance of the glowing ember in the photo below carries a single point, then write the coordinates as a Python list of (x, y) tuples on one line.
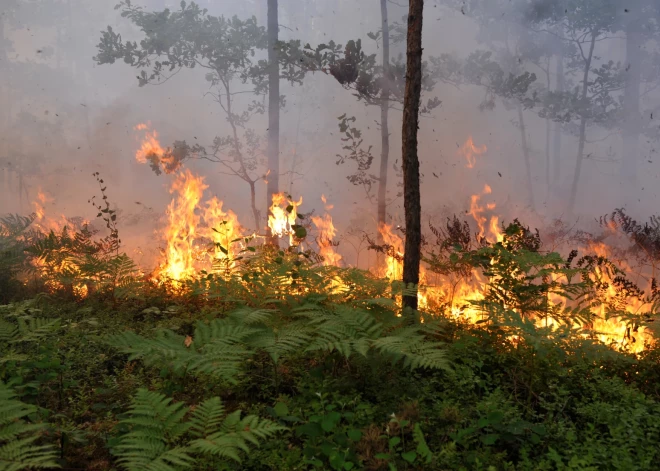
[(326, 233), (470, 151)]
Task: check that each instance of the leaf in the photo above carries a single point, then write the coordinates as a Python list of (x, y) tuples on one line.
[(490, 439), (409, 456), (281, 409), (354, 435), (188, 342)]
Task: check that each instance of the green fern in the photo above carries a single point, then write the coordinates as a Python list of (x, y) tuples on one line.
[(423, 449), (409, 345), (19, 447), (161, 440), (227, 436), (156, 425)]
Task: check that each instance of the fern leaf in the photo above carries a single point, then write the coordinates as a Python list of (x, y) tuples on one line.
[(207, 417), (236, 435), (423, 449), (17, 438), (156, 423)]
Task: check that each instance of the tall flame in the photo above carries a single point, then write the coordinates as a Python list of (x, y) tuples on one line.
[(282, 217), (181, 252), (327, 232)]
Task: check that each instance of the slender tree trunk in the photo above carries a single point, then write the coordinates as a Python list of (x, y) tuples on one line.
[(548, 130), (631, 103), (411, 191), (253, 202), (273, 110), (525, 147), (384, 122), (559, 87), (583, 126), (243, 174)]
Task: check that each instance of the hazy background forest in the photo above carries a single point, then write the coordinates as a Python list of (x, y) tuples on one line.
[(64, 116), (203, 212)]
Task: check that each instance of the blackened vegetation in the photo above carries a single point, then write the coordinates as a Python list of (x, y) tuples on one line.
[(645, 237)]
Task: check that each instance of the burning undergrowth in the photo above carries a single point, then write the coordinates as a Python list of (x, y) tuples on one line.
[(480, 272)]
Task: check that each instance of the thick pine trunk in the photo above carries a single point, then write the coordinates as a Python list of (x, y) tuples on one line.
[(273, 109), (411, 191), (631, 103), (583, 127), (384, 121)]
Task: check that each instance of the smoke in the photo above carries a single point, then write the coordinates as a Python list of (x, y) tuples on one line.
[(63, 117)]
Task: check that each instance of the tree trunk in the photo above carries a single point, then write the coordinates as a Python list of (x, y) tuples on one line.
[(411, 191), (525, 147), (583, 126), (631, 103), (384, 122), (548, 130), (253, 202), (273, 110), (559, 87)]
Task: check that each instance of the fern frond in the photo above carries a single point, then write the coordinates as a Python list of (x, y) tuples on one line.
[(277, 343), (423, 449), (156, 423), (249, 316), (236, 435), (414, 349), (18, 450), (207, 417), (32, 329)]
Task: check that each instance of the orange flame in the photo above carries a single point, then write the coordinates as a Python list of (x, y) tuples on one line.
[(327, 232), (283, 214), (181, 252), (470, 151)]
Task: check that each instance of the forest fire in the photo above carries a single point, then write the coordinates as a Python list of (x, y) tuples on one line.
[(56, 264), (203, 235)]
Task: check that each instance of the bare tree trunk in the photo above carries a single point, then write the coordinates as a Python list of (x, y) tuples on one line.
[(273, 110), (525, 147), (559, 87), (253, 202), (631, 103), (384, 122), (583, 126), (411, 191)]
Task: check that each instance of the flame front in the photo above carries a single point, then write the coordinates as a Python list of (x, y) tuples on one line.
[(199, 234)]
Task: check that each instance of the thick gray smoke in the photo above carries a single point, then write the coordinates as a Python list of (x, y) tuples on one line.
[(63, 116)]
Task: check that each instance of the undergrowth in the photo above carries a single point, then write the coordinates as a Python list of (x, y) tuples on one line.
[(280, 363)]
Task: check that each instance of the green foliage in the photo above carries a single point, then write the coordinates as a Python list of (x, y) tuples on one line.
[(159, 439), (14, 236), (21, 443)]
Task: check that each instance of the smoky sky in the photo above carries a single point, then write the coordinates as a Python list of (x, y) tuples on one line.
[(63, 117)]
